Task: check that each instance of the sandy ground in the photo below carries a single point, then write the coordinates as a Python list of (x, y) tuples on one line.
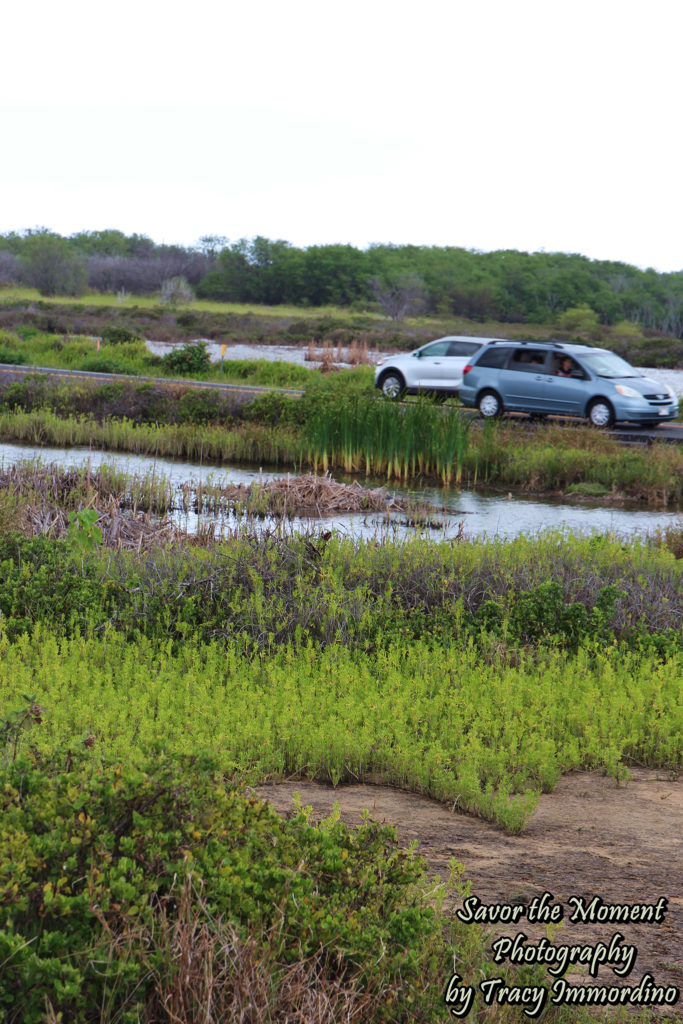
[(588, 838)]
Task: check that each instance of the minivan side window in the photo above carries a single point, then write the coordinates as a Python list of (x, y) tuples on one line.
[(529, 360), (496, 356)]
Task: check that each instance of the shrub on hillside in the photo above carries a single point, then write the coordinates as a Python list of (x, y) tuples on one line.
[(175, 291), (189, 359), (125, 889), (101, 364), (11, 357), (580, 321), (117, 334)]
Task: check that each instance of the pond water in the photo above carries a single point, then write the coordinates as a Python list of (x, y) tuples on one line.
[(490, 514)]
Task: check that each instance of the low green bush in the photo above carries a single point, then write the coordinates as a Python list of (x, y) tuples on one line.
[(12, 357), (274, 408), (103, 364), (40, 585), (118, 334), (191, 359), (189, 320), (112, 875), (202, 406)]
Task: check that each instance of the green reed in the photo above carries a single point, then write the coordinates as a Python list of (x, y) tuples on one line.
[(384, 438)]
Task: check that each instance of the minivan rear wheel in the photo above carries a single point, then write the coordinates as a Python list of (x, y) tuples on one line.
[(601, 413), (490, 404)]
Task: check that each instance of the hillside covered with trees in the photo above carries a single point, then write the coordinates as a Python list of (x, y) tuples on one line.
[(399, 280)]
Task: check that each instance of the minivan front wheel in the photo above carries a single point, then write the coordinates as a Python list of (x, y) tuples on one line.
[(490, 404), (392, 384), (601, 413)]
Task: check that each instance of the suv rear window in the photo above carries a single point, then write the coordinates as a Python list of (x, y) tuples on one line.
[(496, 356), (463, 348)]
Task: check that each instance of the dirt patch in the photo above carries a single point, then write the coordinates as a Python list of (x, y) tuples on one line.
[(588, 838)]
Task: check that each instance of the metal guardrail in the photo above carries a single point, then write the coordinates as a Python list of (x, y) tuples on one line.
[(53, 371)]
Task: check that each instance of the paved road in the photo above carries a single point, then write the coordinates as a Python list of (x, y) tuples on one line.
[(672, 432)]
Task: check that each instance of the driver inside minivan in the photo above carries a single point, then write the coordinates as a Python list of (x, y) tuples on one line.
[(566, 367)]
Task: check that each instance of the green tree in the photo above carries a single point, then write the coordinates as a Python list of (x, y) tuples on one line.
[(50, 264), (581, 320)]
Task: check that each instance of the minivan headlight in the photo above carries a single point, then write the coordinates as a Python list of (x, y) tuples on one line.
[(626, 391), (670, 390)]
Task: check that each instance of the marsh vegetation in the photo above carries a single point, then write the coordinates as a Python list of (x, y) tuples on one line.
[(147, 678)]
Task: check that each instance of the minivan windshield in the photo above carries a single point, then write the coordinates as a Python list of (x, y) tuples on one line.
[(607, 364)]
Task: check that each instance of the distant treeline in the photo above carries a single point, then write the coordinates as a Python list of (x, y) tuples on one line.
[(510, 286)]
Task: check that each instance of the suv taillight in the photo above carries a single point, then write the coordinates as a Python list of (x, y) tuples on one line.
[(466, 370)]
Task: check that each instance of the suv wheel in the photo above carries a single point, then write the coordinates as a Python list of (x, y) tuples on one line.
[(392, 384), (490, 404), (601, 413)]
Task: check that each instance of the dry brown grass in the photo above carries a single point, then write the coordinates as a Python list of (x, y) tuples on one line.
[(356, 354), (36, 500), (311, 496), (213, 973)]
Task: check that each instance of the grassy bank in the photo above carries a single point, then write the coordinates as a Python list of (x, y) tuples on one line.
[(423, 440), (28, 347), (475, 672), (263, 591), (380, 439), (254, 324), (249, 443)]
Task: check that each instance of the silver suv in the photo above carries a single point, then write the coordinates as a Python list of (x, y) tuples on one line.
[(573, 380), (435, 368)]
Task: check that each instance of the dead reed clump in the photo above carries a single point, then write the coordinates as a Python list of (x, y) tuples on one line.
[(357, 354), (326, 357), (320, 496), (36, 500), (120, 530), (328, 361)]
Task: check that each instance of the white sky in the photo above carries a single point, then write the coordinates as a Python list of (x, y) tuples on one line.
[(487, 124)]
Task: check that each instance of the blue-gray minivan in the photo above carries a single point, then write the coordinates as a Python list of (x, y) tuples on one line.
[(570, 380)]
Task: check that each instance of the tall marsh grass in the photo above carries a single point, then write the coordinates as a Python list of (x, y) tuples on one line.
[(252, 443), (423, 439), (383, 438)]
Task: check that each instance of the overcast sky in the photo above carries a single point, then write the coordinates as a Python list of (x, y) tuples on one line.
[(487, 124)]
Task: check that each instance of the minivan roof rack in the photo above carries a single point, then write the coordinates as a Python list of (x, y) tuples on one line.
[(529, 341), (526, 341)]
